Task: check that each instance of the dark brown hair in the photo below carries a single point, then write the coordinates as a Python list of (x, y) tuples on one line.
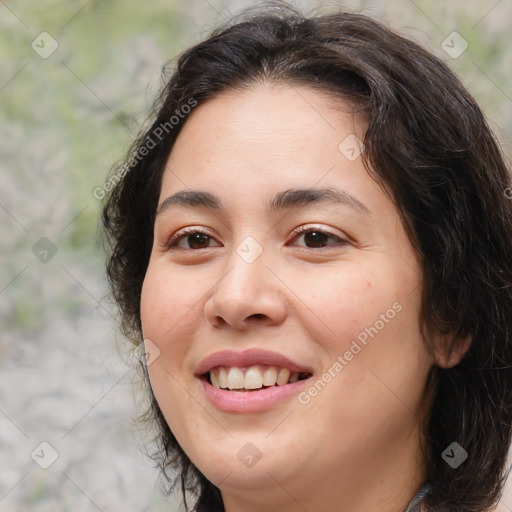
[(427, 143)]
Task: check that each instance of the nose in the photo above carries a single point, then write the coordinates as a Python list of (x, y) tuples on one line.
[(248, 295)]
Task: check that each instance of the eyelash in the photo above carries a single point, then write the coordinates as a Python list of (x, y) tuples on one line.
[(173, 242)]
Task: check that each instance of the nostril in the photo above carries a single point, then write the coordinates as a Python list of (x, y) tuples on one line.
[(258, 316)]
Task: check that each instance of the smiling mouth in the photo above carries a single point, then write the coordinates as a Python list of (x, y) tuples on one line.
[(252, 378)]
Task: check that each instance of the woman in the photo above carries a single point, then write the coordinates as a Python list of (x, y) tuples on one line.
[(313, 240)]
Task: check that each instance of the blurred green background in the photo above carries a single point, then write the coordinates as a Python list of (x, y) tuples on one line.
[(65, 119)]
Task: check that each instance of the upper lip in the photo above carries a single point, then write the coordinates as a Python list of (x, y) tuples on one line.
[(250, 357)]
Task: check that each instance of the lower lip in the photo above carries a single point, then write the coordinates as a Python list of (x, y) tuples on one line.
[(250, 401)]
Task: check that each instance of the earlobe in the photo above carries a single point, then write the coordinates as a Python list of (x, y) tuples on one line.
[(450, 355)]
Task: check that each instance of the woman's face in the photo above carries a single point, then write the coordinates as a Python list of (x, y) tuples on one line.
[(295, 265)]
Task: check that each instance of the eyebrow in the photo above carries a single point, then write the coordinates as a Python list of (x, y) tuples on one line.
[(291, 198)]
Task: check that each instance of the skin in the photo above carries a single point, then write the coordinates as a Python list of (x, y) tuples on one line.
[(356, 445)]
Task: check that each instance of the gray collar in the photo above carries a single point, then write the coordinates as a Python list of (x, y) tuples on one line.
[(414, 505)]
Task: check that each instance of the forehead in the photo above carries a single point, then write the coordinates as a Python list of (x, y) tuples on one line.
[(275, 132), (258, 151)]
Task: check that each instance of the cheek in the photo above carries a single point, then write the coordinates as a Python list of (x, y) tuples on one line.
[(165, 316), (348, 299), (166, 307), (372, 320), (165, 303)]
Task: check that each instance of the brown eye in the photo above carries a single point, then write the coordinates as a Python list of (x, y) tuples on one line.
[(192, 239), (197, 240), (315, 238)]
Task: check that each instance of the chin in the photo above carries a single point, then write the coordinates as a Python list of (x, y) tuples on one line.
[(246, 463)]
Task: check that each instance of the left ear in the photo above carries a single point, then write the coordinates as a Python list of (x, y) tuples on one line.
[(449, 354)]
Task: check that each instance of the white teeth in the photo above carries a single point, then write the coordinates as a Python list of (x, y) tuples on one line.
[(270, 376), (214, 377), (235, 378), (255, 377), (223, 378), (282, 378)]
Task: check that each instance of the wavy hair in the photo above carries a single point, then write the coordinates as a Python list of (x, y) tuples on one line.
[(428, 144)]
